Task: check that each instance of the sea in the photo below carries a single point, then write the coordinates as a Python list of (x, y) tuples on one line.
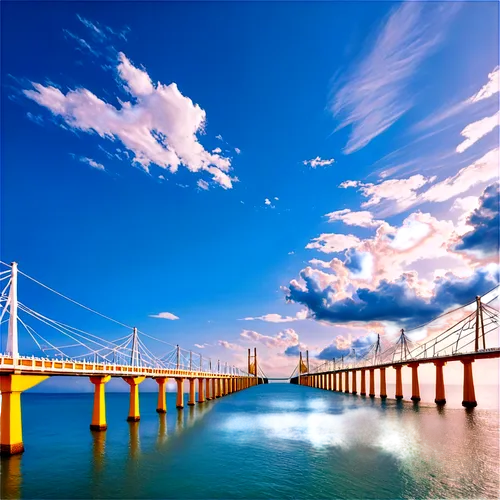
[(269, 441)]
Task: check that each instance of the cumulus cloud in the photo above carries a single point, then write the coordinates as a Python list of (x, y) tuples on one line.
[(267, 201), (350, 218), (342, 347), (375, 93), (475, 131), (332, 242), (484, 220), (395, 301), (277, 318), (284, 338), (158, 126), (237, 151), (164, 315), (217, 150), (318, 162)]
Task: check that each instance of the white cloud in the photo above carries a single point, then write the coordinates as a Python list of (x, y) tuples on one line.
[(331, 242), (481, 171), (284, 338), (318, 162), (237, 150), (202, 184), (375, 94), (402, 193), (267, 201), (229, 345), (291, 252), (319, 263), (164, 315), (277, 318), (475, 131), (490, 88), (217, 150), (361, 219), (276, 198), (92, 163), (200, 346), (219, 137), (160, 127)]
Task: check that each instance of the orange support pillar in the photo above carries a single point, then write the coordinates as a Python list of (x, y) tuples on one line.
[(161, 407), (331, 381), (99, 411), (334, 381), (180, 393), (415, 388), (346, 381), (363, 383), (133, 382), (217, 387), (192, 392), (340, 381), (383, 388), (469, 400), (354, 384), (399, 382), (201, 392), (372, 383), (440, 392), (208, 385)]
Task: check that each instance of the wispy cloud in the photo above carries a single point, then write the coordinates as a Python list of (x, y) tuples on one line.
[(164, 315), (475, 131), (277, 318), (375, 93), (92, 163), (350, 218)]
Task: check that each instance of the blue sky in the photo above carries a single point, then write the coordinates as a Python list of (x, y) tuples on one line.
[(177, 157)]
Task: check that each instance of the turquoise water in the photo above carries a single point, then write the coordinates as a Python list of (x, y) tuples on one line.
[(272, 441)]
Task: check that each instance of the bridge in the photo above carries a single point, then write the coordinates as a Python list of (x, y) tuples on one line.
[(88, 355), (464, 341)]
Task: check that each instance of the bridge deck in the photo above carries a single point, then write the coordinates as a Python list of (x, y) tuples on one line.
[(40, 366), (484, 354)]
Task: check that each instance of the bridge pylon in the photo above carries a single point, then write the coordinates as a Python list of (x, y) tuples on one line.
[(12, 339)]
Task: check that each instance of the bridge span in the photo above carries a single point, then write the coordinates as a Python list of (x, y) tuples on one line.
[(464, 341), (99, 359)]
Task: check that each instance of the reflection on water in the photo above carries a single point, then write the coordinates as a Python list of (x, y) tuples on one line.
[(10, 477), (274, 441)]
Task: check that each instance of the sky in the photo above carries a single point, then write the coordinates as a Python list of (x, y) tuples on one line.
[(227, 175)]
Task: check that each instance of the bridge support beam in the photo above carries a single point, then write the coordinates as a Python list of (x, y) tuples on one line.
[(354, 384), (440, 391), (362, 390), (340, 381), (99, 411), (161, 406), (216, 387), (133, 412), (469, 400), (201, 391), (192, 392), (346, 381), (11, 427), (208, 386), (383, 385), (180, 393), (372, 383), (415, 387), (334, 381), (399, 382)]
